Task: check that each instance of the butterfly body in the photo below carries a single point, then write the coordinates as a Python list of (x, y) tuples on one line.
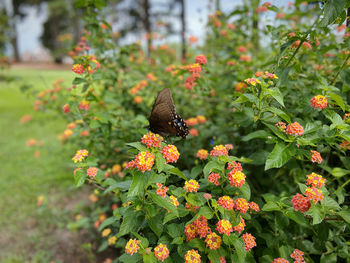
[(164, 120)]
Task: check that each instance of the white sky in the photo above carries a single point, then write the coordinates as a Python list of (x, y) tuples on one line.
[(30, 28)]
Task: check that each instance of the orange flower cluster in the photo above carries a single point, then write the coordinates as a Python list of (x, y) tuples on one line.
[(298, 255), (234, 166), (240, 227), (192, 256), (252, 81), (26, 118), (281, 126), (314, 194), (301, 203), (219, 150), (92, 172), (202, 154), (161, 252), (294, 129), (254, 206), (135, 89), (144, 161), (174, 200), (132, 246), (161, 190), (213, 241), (315, 180), (316, 157), (249, 241), (225, 202), (319, 102), (241, 205), (240, 87), (78, 68), (280, 260), (80, 155), (345, 145), (170, 153), (152, 140), (236, 178), (213, 178), (199, 227), (191, 186), (191, 207), (224, 226), (84, 105), (201, 59)]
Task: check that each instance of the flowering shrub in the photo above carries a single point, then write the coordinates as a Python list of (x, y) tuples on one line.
[(165, 199)]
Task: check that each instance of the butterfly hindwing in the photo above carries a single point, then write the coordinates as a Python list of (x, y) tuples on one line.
[(163, 119)]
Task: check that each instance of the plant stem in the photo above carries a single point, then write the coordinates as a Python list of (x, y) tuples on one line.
[(341, 68)]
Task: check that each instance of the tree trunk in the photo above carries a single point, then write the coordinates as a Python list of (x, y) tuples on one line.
[(147, 25), (183, 29), (255, 26), (12, 23)]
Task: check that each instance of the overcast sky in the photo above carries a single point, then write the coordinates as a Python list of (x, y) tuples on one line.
[(30, 28)]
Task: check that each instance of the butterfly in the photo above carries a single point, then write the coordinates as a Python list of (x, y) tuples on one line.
[(164, 120)]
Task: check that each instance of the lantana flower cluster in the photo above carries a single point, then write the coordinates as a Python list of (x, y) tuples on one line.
[(193, 121), (144, 161), (312, 193), (297, 255), (195, 70)]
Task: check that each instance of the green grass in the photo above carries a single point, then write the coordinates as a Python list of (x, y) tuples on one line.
[(24, 227)]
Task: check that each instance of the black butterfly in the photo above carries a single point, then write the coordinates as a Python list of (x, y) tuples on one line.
[(163, 119)]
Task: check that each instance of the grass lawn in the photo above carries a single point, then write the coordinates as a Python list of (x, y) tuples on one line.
[(30, 233)]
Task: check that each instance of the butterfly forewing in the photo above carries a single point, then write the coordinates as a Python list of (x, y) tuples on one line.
[(163, 119)]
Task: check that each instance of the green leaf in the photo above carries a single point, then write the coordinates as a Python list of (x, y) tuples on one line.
[(164, 202), (129, 222), (345, 214), (276, 94), (77, 81), (271, 206), (126, 258), (138, 146), (125, 185), (238, 245), (156, 224), (256, 134), (280, 113), (297, 217), (339, 172), (193, 199), (317, 214), (175, 230), (107, 222), (144, 241), (177, 172), (332, 9), (338, 100), (210, 166), (330, 203), (138, 184), (79, 177), (150, 258), (160, 162), (245, 190), (280, 154), (206, 212)]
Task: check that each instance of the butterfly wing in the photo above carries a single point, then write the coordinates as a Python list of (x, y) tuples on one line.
[(163, 119)]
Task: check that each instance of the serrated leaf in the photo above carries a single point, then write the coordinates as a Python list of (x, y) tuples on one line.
[(156, 224), (164, 202), (256, 134), (206, 212), (80, 177), (280, 154), (330, 203), (107, 222), (160, 162), (137, 185), (332, 9), (338, 100), (129, 222), (177, 172), (317, 214), (138, 146), (276, 94), (209, 167), (297, 217), (345, 214), (271, 206)]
